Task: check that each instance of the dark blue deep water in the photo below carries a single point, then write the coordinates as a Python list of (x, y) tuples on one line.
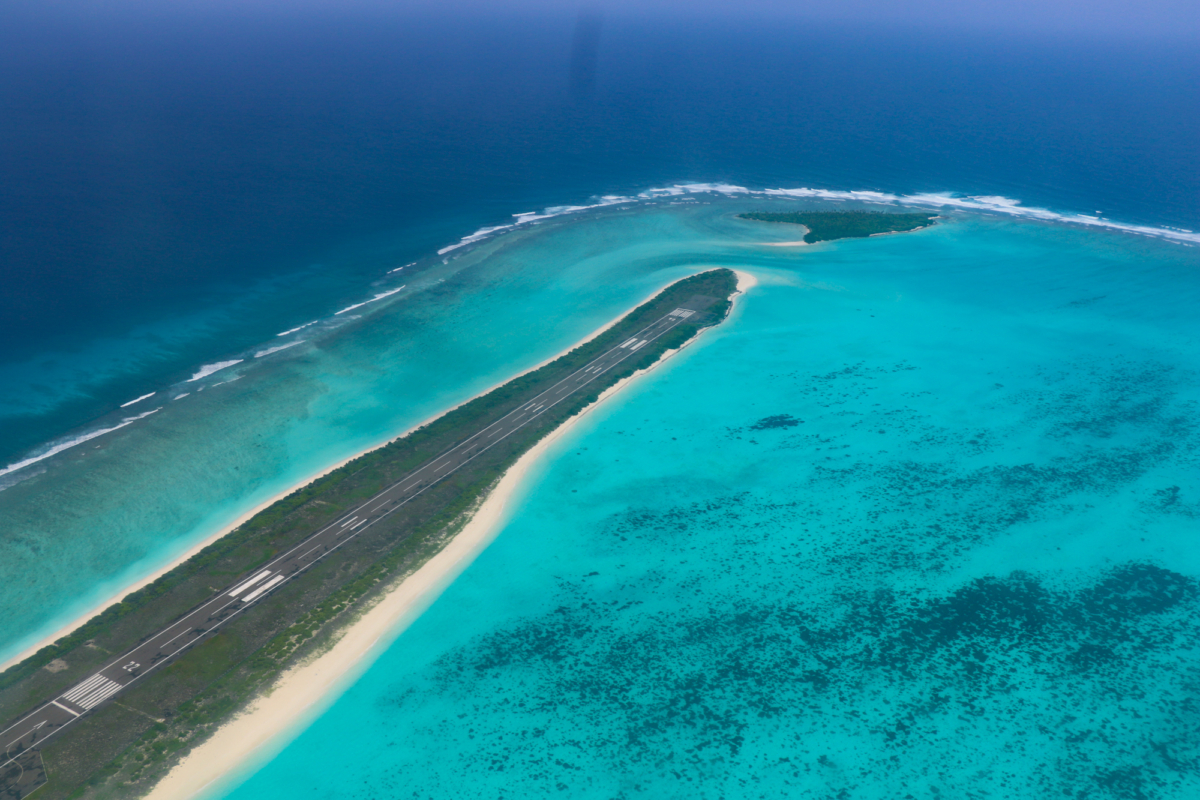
[(178, 185)]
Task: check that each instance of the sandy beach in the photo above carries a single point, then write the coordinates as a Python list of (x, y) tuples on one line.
[(302, 692), (800, 243), (229, 527)]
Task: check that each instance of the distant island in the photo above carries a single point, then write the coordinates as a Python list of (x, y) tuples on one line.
[(824, 226)]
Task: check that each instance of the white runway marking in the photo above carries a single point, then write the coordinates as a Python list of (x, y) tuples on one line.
[(84, 687), (99, 695), (178, 636), (64, 708), (266, 587), (244, 586), (92, 692)]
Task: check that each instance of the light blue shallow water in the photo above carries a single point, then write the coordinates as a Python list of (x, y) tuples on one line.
[(919, 520), (113, 509)]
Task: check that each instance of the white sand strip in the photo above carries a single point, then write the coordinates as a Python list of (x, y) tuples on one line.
[(228, 528), (300, 694)]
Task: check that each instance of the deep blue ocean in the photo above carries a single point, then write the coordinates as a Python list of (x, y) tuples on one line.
[(220, 273), (181, 186)]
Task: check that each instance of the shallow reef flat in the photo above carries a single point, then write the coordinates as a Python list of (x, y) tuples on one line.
[(112, 510), (917, 520)]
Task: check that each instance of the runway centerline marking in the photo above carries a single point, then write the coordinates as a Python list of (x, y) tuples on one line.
[(160, 648)]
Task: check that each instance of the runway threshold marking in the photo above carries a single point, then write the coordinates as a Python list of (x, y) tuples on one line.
[(84, 687), (64, 708), (92, 691)]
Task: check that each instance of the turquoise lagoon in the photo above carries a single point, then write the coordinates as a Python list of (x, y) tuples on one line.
[(919, 520)]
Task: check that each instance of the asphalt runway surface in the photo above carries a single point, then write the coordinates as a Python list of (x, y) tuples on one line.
[(22, 739)]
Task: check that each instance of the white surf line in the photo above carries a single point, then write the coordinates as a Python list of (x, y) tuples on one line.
[(988, 204), (137, 400), (209, 369), (379, 296), (298, 328), (87, 437), (271, 350)]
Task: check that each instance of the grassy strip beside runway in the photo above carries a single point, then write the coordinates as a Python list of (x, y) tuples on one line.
[(121, 748)]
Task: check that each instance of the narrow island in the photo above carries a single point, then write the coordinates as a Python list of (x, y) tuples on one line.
[(85, 720), (826, 226)]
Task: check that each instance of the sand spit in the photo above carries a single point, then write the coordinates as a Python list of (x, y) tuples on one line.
[(228, 528), (301, 693)]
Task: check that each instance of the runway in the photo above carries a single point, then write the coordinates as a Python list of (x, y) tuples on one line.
[(23, 738)]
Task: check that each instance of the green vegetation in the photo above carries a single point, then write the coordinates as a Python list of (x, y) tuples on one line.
[(121, 749), (825, 226)]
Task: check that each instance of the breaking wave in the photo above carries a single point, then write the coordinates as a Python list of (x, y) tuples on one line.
[(379, 296), (209, 369), (276, 349), (300, 327), (138, 399), (987, 204), (67, 444), (984, 204)]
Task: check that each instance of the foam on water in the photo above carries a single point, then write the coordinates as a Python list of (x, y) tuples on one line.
[(918, 519), (59, 447), (209, 369), (990, 204), (379, 296), (298, 328), (979, 204), (362, 378), (138, 399), (277, 348)]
